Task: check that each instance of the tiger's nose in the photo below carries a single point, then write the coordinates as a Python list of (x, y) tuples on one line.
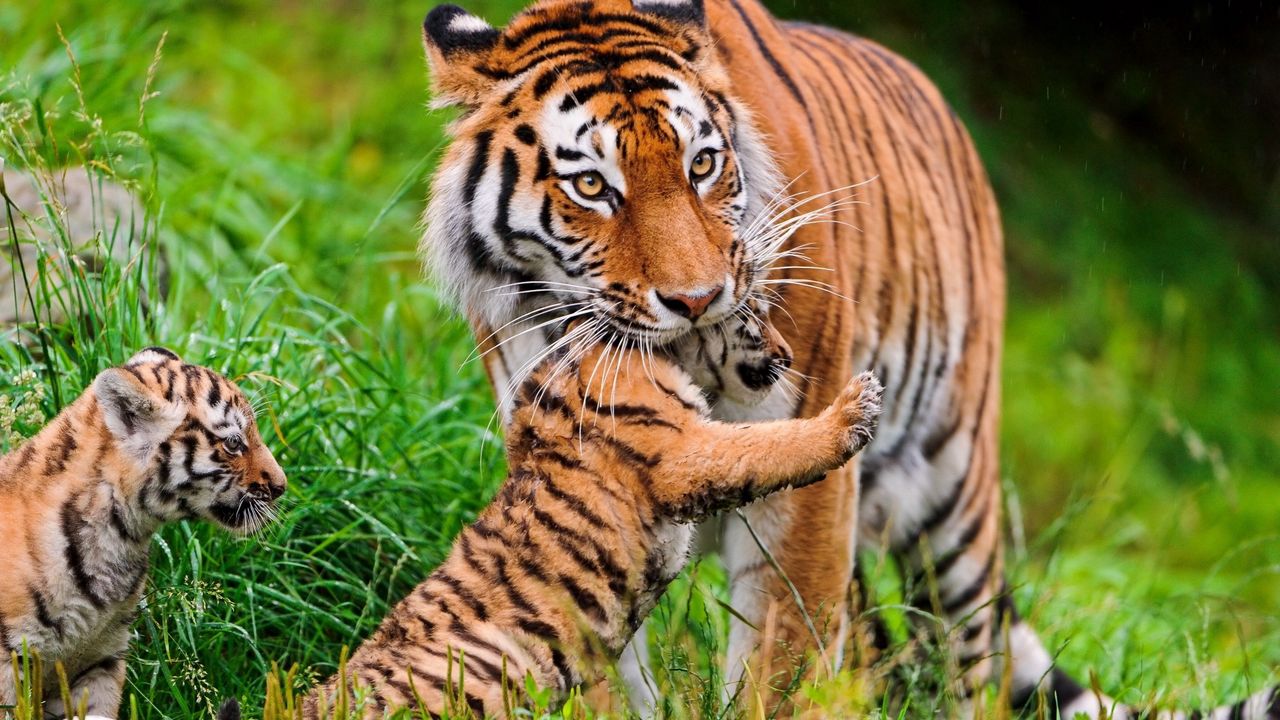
[(690, 306)]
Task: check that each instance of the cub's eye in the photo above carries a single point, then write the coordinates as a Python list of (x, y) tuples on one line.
[(703, 163), (590, 184), (234, 444)]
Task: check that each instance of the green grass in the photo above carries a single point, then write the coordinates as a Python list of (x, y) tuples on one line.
[(283, 159)]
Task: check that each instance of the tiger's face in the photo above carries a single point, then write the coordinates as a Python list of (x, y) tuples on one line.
[(600, 169), (193, 434)]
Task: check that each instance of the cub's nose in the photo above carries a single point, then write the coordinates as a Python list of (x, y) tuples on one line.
[(268, 486), (271, 480), (275, 487), (690, 306)]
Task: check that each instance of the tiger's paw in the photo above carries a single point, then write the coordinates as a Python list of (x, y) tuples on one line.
[(857, 411)]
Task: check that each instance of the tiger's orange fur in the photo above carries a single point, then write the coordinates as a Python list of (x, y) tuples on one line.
[(152, 441), (611, 461), (908, 280)]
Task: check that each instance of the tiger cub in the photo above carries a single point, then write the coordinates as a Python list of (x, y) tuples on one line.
[(153, 441), (612, 460)]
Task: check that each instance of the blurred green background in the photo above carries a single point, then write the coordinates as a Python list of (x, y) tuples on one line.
[(285, 153)]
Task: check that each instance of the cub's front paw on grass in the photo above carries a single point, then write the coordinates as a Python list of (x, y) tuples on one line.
[(857, 410)]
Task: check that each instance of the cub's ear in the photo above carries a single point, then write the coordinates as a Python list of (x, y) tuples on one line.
[(458, 43), (684, 12), (128, 406)]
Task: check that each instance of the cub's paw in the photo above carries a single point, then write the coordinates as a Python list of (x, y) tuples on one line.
[(857, 410)]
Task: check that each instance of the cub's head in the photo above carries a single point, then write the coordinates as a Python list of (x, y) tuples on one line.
[(740, 359), (192, 437), (600, 166)]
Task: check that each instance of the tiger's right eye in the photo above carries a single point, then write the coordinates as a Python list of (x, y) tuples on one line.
[(590, 184), (234, 444)]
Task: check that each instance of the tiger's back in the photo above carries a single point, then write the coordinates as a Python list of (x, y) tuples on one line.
[(618, 160)]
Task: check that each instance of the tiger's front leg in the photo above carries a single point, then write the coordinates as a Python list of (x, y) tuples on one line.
[(796, 597), (96, 683), (954, 568), (778, 452), (789, 564)]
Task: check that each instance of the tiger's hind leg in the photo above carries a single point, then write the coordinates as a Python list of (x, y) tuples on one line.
[(939, 513), (953, 572)]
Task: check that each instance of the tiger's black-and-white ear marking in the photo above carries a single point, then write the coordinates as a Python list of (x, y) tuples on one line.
[(452, 30), (686, 12), (458, 43), (690, 16)]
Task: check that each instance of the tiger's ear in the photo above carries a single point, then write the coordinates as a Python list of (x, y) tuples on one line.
[(457, 45), (683, 12), (128, 407)]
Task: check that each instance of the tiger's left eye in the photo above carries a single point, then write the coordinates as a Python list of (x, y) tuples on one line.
[(234, 444), (703, 163), (590, 184)]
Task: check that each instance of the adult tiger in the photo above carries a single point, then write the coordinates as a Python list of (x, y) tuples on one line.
[(618, 160)]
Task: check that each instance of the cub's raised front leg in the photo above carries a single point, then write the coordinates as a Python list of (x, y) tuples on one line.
[(721, 465)]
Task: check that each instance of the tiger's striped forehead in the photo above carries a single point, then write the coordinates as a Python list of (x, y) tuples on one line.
[(553, 36), (592, 86), (596, 55), (656, 114), (591, 129)]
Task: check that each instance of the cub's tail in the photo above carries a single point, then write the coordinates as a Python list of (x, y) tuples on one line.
[(230, 710), (1034, 673)]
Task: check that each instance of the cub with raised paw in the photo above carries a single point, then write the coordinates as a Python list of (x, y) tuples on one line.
[(612, 461)]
